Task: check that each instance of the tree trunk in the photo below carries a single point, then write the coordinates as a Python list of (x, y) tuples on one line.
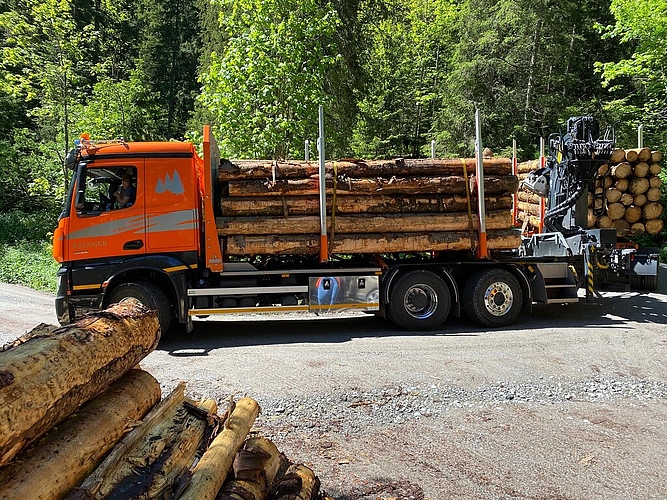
[(528, 166), (638, 154), (67, 454), (308, 481), (622, 227), (374, 204), (616, 210), (639, 185), (637, 229), (656, 156), (605, 222), (640, 200), (255, 469), (617, 156), (369, 243), (613, 195), (633, 214), (622, 185), (212, 469), (641, 169), (360, 223), (621, 170), (43, 380), (654, 168), (654, 226), (149, 461), (265, 169), (627, 199), (528, 197), (403, 186), (653, 194), (655, 181), (529, 208), (652, 210)]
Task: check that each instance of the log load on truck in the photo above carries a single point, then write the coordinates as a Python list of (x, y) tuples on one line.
[(415, 241)]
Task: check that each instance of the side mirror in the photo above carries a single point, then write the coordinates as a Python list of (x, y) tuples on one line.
[(80, 197)]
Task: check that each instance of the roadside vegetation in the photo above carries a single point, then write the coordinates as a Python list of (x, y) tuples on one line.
[(393, 76)]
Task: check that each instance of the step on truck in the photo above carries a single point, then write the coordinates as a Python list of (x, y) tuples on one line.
[(143, 221)]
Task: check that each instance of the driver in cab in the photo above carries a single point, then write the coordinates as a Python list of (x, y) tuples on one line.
[(126, 194)]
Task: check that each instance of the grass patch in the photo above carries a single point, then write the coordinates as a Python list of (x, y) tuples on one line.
[(28, 263)]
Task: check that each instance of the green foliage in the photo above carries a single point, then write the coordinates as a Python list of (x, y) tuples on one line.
[(263, 87), (28, 263)]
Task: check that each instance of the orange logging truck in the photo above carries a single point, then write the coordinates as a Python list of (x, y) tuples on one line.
[(155, 222)]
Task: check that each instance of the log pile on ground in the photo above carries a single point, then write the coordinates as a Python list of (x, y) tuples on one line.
[(626, 194), (81, 421), (373, 206)]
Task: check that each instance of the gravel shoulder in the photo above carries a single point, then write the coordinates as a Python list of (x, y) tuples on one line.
[(569, 403)]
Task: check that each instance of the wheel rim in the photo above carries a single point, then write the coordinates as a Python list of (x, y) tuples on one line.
[(420, 301), (498, 298)]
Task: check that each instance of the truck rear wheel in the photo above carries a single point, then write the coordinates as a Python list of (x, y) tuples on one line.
[(419, 300), (492, 297), (148, 295)]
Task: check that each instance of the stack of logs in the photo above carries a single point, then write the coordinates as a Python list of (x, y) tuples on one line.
[(79, 421), (626, 194), (384, 206)]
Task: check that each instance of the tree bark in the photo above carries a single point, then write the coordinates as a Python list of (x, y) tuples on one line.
[(374, 204), (310, 484), (265, 169), (212, 469), (404, 186), (369, 243), (68, 453), (149, 461), (255, 469), (397, 223), (43, 380)]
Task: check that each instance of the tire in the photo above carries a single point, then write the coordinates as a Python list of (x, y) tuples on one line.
[(419, 300), (493, 298), (148, 295)]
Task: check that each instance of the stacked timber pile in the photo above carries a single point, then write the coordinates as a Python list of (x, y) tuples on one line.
[(373, 207), (627, 193), (528, 203), (79, 420)]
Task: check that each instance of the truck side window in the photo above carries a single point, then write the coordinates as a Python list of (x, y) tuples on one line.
[(109, 188)]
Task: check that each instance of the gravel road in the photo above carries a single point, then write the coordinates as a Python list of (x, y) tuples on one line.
[(569, 403)]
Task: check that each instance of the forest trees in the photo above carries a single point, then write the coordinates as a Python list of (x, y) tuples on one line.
[(264, 85)]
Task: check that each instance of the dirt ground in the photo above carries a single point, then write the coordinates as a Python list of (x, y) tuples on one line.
[(569, 403)]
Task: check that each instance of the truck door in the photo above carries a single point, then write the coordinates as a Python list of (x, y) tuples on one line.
[(172, 213), (105, 224)]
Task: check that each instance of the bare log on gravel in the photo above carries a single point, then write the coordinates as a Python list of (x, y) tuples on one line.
[(149, 462), (454, 185), (372, 243), (235, 170), (212, 469), (67, 454), (44, 379), (396, 223), (373, 204)]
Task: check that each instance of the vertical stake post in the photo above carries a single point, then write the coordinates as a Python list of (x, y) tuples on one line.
[(324, 244), (482, 250)]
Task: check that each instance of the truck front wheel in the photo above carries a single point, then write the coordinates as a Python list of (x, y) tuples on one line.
[(492, 297), (420, 300), (148, 295)]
